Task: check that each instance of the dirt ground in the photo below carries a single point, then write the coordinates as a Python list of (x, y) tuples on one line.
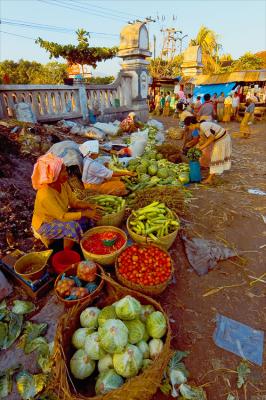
[(229, 214), (225, 212)]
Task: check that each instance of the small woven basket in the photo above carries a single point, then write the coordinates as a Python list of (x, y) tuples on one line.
[(153, 290), (107, 259), (90, 297), (165, 242), (114, 219)]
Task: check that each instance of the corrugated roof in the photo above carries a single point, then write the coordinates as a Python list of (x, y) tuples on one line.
[(238, 76)]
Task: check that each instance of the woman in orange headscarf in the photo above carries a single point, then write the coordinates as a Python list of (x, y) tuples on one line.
[(52, 217)]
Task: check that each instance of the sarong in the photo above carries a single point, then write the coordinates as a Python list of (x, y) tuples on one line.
[(73, 229)]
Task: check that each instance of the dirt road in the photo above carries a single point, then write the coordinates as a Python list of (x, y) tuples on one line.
[(226, 213)]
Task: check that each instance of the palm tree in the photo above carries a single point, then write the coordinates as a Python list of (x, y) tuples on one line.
[(208, 40)]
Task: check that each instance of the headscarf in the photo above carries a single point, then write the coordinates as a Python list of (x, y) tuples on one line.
[(131, 115), (89, 147), (46, 170)]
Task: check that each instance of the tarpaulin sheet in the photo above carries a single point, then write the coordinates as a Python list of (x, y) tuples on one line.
[(201, 90)]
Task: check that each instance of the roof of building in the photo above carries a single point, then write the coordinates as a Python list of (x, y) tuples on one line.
[(238, 76)]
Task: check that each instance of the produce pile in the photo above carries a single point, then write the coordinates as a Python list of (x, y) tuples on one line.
[(85, 282), (110, 204), (103, 243), (173, 197), (122, 340), (154, 221), (145, 266)]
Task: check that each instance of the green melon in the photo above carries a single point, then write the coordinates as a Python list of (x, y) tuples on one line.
[(163, 173), (152, 170)]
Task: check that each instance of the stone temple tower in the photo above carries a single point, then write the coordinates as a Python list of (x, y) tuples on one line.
[(134, 51)]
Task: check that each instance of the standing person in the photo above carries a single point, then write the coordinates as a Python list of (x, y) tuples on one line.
[(220, 107), (173, 101), (52, 217), (248, 116), (157, 110), (166, 109), (197, 105), (227, 108), (216, 143), (235, 105), (96, 176), (189, 99), (206, 111), (214, 100), (162, 101)]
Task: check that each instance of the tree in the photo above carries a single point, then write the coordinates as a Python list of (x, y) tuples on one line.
[(100, 80), (246, 62), (30, 72), (162, 68), (208, 40), (81, 54)]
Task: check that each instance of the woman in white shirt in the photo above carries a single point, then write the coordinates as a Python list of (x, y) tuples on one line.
[(216, 143), (96, 176)]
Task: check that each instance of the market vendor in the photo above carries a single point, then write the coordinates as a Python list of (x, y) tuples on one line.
[(52, 217), (129, 124), (96, 176), (215, 143)]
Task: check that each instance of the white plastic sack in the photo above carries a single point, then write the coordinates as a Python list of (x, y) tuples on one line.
[(93, 133), (109, 129), (68, 150), (139, 135), (156, 124), (66, 124), (159, 138), (138, 147)]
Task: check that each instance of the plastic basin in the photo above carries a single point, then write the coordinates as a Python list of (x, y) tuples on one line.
[(62, 260)]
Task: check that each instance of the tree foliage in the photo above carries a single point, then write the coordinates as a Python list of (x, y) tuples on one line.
[(208, 40), (246, 62), (81, 54), (26, 72), (162, 68), (100, 80)]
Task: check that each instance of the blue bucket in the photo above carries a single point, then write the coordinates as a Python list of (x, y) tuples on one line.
[(194, 173)]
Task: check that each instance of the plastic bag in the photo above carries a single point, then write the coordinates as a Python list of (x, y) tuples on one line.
[(68, 150), (94, 133), (109, 129), (157, 124)]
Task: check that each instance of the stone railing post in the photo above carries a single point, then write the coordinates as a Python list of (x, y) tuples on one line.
[(83, 100)]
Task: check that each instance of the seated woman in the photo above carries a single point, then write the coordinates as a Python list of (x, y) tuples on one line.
[(96, 176), (52, 217), (129, 124), (215, 144)]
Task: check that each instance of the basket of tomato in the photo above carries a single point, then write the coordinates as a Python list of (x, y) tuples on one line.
[(103, 244), (80, 282), (145, 268)]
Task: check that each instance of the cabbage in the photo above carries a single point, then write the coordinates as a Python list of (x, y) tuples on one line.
[(81, 365), (146, 335), (89, 317), (79, 336), (136, 330), (129, 362), (146, 363), (105, 314), (113, 336), (92, 346), (107, 381), (105, 363), (156, 347), (22, 307), (128, 308), (156, 325), (144, 348), (145, 312)]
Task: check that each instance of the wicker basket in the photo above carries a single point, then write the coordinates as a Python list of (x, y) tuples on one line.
[(108, 259), (153, 290), (142, 386), (165, 242), (90, 297), (114, 219)]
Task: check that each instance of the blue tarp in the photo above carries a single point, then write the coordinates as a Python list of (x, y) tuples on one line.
[(201, 90)]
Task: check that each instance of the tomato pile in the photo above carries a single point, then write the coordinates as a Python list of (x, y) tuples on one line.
[(95, 243), (145, 266)]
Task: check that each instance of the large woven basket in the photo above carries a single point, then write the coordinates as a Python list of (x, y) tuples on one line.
[(108, 259), (165, 242), (153, 290), (90, 297), (114, 219), (142, 386)]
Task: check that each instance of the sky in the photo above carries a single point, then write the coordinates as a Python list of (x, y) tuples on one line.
[(240, 24)]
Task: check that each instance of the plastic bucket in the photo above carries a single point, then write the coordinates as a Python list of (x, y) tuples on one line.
[(64, 259), (194, 174)]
